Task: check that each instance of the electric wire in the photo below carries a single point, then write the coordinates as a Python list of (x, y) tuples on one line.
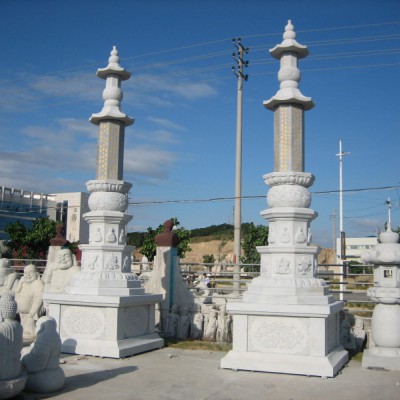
[(226, 198)]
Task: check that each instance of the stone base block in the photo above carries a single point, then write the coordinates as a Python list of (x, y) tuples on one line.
[(286, 338), (106, 326), (113, 349), (381, 358), (327, 366)]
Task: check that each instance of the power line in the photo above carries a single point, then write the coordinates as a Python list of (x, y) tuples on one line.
[(206, 200), (327, 29), (213, 54)]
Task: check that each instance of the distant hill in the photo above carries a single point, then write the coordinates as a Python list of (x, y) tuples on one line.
[(216, 240), (209, 233)]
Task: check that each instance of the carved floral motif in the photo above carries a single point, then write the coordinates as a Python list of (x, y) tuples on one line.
[(304, 265), (304, 179), (273, 335), (112, 201), (108, 186), (87, 323), (289, 196)]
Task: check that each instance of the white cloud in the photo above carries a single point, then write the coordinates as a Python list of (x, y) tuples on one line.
[(78, 85), (166, 123), (157, 136), (149, 162)]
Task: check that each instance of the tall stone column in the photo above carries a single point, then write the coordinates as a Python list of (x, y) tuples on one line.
[(105, 311), (287, 322)]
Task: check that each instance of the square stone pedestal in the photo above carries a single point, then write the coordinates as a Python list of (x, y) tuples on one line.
[(105, 326), (291, 339), (381, 358)]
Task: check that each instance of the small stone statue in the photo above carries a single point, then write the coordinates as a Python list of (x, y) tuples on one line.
[(359, 333), (12, 380), (221, 324), (64, 268), (42, 359), (29, 297), (8, 278), (210, 329)]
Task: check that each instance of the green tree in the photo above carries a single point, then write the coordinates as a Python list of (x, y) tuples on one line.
[(18, 238), (43, 229), (208, 259), (255, 236), (149, 247), (31, 243)]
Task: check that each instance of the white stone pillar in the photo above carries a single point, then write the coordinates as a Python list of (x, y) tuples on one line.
[(105, 311), (287, 322)]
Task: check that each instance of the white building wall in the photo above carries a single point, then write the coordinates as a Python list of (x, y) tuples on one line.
[(355, 246), (77, 229)]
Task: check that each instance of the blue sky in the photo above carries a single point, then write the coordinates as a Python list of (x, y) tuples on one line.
[(182, 95)]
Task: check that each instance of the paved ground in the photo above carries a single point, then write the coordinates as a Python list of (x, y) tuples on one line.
[(194, 375)]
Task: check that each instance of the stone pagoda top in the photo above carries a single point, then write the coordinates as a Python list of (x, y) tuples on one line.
[(289, 43), (112, 94), (289, 52)]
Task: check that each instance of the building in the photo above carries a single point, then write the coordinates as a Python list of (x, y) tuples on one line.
[(26, 206), (76, 204), (355, 247)]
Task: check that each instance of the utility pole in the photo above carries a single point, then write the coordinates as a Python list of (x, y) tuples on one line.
[(333, 218), (342, 234), (389, 206), (238, 71)]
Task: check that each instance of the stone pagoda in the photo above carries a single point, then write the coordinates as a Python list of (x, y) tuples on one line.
[(384, 343), (287, 322), (105, 311)]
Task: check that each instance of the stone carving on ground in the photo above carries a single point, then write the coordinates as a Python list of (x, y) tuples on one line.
[(359, 333), (184, 323), (207, 322), (65, 266), (196, 326), (352, 333), (8, 278), (29, 297), (42, 358), (12, 379), (221, 324), (210, 328), (205, 291), (172, 323)]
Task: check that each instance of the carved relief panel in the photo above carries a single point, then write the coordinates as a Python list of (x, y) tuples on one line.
[(83, 322), (278, 335)]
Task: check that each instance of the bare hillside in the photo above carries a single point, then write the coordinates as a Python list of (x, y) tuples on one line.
[(225, 252), (215, 247)]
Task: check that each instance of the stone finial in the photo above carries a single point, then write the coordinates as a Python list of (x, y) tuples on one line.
[(112, 94), (289, 52), (289, 31), (113, 67)]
